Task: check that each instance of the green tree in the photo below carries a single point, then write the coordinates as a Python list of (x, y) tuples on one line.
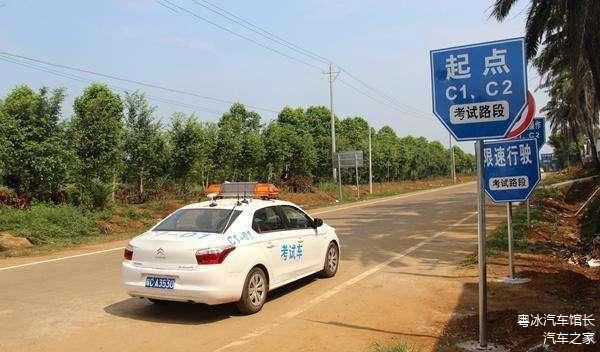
[(563, 41), (34, 154), (97, 128), (317, 120), (289, 147), (144, 145), (386, 154), (239, 150), (566, 150), (192, 147)]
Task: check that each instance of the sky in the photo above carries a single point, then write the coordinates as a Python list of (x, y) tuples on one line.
[(384, 43)]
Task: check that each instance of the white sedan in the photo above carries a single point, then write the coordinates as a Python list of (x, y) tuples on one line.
[(229, 251)]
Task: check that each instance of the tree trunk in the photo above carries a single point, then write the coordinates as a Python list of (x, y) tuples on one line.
[(576, 159), (594, 153), (141, 184), (114, 187), (592, 46)]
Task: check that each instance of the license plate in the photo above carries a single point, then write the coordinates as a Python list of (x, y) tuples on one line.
[(160, 282)]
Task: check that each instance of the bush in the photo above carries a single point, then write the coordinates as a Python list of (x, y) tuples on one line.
[(298, 184), (50, 224), (130, 213), (98, 192), (498, 240), (9, 198), (548, 192), (333, 189)]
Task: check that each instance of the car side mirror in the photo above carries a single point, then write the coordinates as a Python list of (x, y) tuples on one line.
[(317, 222)]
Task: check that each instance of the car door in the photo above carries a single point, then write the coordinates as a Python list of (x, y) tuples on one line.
[(269, 224), (308, 241)]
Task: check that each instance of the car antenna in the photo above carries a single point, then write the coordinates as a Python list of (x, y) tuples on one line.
[(229, 216)]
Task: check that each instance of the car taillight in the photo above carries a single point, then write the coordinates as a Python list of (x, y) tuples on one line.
[(213, 255), (128, 253)]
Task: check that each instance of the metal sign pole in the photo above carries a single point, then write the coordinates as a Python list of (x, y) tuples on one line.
[(511, 268), (453, 166), (356, 168), (528, 214), (481, 251), (340, 176)]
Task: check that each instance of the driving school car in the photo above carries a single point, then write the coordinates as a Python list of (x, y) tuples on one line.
[(229, 250)]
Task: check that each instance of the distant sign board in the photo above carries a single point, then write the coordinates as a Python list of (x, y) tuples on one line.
[(350, 159), (547, 158), (511, 169), (479, 90), (537, 131)]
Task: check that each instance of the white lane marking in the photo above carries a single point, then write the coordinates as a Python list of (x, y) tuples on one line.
[(387, 199), (61, 258), (327, 294), (360, 204)]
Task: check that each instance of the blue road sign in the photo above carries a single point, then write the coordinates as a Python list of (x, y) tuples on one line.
[(479, 90), (537, 131), (511, 169)]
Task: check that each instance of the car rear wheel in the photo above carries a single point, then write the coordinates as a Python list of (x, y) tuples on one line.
[(332, 260), (255, 290)]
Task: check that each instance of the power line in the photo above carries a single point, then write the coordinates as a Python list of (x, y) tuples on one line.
[(181, 8), (357, 90), (283, 42), (167, 6), (387, 97), (117, 88), (132, 81), (260, 31)]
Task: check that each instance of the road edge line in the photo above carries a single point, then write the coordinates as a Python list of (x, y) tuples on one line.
[(387, 199), (60, 258)]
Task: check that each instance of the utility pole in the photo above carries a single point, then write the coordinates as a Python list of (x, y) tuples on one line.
[(453, 167), (332, 76)]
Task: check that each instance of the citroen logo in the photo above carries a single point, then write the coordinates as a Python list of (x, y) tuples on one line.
[(160, 253)]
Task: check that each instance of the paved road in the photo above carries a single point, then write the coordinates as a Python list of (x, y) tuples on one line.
[(395, 281)]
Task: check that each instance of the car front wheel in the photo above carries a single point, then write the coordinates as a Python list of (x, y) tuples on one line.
[(254, 294)]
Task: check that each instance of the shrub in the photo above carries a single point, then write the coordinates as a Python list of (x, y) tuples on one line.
[(298, 184), (50, 224)]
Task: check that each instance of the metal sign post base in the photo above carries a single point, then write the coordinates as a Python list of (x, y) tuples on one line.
[(514, 280), (511, 267)]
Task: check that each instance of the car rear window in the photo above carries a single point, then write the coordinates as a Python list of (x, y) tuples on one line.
[(199, 220)]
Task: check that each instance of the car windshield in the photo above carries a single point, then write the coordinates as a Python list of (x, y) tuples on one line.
[(198, 220)]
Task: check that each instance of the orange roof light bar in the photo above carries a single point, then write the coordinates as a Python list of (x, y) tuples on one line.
[(243, 189)]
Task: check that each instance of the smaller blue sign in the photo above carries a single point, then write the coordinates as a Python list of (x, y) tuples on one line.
[(537, 131), (511, 169)]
